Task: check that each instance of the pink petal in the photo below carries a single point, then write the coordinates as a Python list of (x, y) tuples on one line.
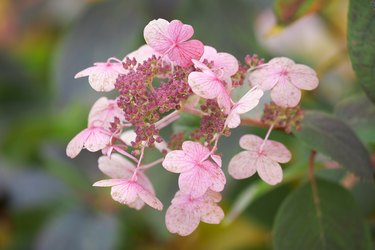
[(227, 63), (177, 162), (116, 166), (156, 35), (269, 170), (182, 220), (76, 144), (285, 94), (97, 139), (277, 151), (104, 111), (126, 193), (250, 142), (217, 176), (212, 196), (303, 77), (201, 66), (143, 53), (204, 85), (128, 136), (211, 213), (264, 77), (243, 165), (249, 101), (104, 76), (195, 182), (224, 101), (137, 204), (179, 32), (209, 53), (109, 183), (149, 198), (195, 151), (184, 52), (145, 182), (233, 120), (86, 72), (217, 159)]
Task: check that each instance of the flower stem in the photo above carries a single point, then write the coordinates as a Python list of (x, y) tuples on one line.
[(266, 138), (168, 119), (151, 164)]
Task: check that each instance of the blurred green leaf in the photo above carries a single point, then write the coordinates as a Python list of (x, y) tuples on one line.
[(359, 113), (288, 11), (361, 40), (79, 230), (327, 219), (332, 137), (187, 123)]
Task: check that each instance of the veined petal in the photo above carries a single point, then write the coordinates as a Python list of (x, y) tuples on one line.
[(76, 144), (249, 101), (277, 151), (250, 142), (156, 35), (243, 165), (204, 85), (286, 94), (177, 162), (211, 213), (149, 198), (184, 52), (303, 77), (182, 219), (179, 32), (109, 183), (126, 193), (195, 150), (116, 166), (195, 182), (97, 139), (269, 170)]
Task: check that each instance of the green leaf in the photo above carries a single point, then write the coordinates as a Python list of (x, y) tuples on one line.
[(332, 137), (359, 113), (187, 123), (361, 40), (288, 11), (325, 217)]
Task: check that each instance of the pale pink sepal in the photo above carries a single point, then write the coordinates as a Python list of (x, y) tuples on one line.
[(92, 138), (186, 212), (285, 79), (172, 39), (260, 157), (102, 76)]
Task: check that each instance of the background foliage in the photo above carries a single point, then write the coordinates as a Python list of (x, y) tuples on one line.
[(46, 199)]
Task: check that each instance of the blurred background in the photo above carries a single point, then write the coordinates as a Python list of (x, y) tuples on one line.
[(47, 200)]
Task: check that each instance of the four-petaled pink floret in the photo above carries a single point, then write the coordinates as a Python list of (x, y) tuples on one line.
[(197, 172), (172, 39), (285, 79), (185, 213), (103, 75), (128, 187), (262, 157)]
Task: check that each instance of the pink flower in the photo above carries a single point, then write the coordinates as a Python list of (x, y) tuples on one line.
[(285, 79), (171, 39), (185, 213), (102, 76), (249, 101), (128, 187), (93, 138), (260, 157), (209, 85), (224, 65), (104, 111), (197, 172)]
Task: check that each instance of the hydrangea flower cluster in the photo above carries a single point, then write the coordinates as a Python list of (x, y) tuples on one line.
[(173, 74)]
